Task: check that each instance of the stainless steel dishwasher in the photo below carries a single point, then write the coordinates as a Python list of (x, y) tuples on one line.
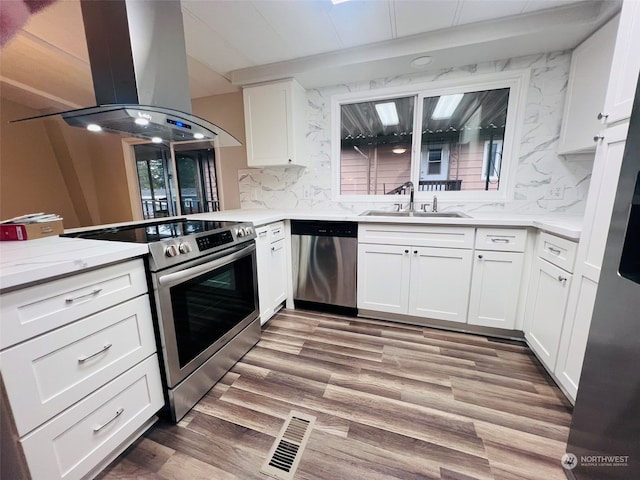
[(324, 264)]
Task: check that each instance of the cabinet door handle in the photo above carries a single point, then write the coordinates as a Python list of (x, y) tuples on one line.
[(555, 251), (500, 240), (562, 279), (597, 138), (480, 257), (87, 357), (415, 252), (79, 297), (406, 251), (119, 412), (602, 115)]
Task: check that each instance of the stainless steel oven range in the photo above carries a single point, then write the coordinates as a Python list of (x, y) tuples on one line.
[(204, 281)]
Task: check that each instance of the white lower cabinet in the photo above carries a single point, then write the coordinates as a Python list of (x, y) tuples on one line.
[(271, 258), (383, 277), (80, 370), (73, 443), (419, 281), (573, 342), (548, 294), (439, 283), (49, 373), (495, 289)]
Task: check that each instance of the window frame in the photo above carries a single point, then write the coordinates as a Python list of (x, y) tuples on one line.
[(485, 159), (516, 80)]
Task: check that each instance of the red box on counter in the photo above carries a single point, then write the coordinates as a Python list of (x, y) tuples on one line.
[(29, 231)]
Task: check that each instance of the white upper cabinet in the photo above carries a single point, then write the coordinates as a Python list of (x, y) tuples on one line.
[(275, 123), (586, 90), (625, 66)]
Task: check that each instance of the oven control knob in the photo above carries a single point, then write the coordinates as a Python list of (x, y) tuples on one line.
[(171, 251), (241, 232), (184, 248), (248, 231)]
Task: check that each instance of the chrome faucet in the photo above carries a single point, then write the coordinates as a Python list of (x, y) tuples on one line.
[(434, 205), (409, 185)]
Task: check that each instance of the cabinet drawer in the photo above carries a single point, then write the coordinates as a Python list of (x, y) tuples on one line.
[(76, 441), (50, 373), (556, 250), (416, 235), (501, 239), (35, 310), (276, 231)]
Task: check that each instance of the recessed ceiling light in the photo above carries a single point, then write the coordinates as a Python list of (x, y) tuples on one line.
[(335, 2), (156, 140), (92, 127), (199, 136), (399, 150), (446, 106), (421, 62), (141, 121), (387, 113)]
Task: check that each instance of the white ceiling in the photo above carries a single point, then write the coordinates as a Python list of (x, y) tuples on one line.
[(231, 43)]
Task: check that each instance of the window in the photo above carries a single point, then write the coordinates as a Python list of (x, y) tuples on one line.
[(375, 144), (441, 136), (195, 182)]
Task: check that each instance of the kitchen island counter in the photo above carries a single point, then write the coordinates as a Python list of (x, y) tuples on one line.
[(31, 261)]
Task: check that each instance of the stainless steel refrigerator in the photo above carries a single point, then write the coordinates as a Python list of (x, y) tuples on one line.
[(604, 441)]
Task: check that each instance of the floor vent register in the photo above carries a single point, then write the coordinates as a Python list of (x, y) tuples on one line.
[(287, 450)]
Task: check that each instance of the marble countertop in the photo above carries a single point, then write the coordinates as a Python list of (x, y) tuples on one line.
[(25, 262), (568, 227)]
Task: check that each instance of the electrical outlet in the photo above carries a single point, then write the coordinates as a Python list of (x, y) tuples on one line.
[(555, 192), (254, 194)]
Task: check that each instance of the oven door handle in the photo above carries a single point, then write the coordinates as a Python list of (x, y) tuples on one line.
[(182, 275)]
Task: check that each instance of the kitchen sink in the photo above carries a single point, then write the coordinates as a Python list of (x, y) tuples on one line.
[(420, 214)]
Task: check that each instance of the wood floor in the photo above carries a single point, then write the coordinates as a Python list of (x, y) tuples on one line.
[(392, 402)]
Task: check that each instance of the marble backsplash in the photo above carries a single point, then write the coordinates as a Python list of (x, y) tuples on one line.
[(539, 167)]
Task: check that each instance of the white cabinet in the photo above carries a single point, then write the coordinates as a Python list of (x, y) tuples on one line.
[(588, 78), (495, 289), (439, 283), (72, 444), (625, 65), (271, 253), (548, 294), (275, 124), (411, 272), (598, 209), (497, 277), (545, 310), (70, 350), (383, 278)]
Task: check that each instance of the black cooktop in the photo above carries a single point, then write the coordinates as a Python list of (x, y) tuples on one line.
[(152, 232)]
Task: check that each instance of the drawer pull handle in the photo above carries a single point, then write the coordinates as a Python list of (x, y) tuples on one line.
[(555, 251), (87, 357), (500, 240), (119, 412), (562, 279), (90, 294)]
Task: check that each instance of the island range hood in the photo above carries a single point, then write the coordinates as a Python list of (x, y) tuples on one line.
[(138, 63)]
